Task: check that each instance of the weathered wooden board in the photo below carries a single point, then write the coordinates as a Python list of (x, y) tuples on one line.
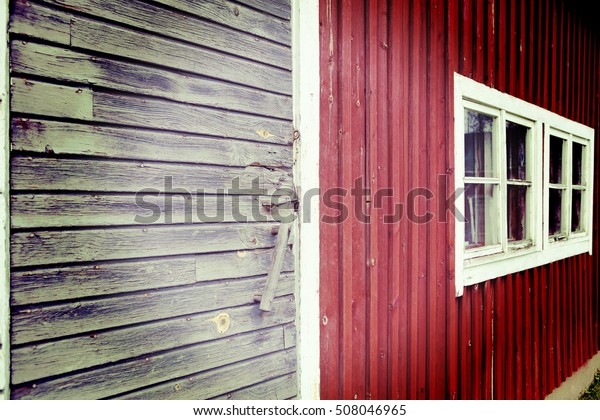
[(59, 247), (49, 99), (173, 24), (236, 16), (98, 348), (159, 113), (57, 138), (281, 388), (115, 40), (108, 39), (279, 8), (40, 22), (289, 335), (123, 377), (215, 382), (39, 174), (41, 98), (54, 321), (65, 210), (88, 69), (75, 282)]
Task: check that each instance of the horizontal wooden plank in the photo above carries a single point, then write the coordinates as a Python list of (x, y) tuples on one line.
[(98, 348), (109, 39), (237, 16), (145, 178), (76, 67), (106, 38), (61, 320), (215, 382), (46, 99), (94, 280), (168, 22), (40, 22), (289, 335), (279, 8), (281, 388), (66, 210), (56, 137), (161, 114), (49, 99), (128, 376), (60, 247)]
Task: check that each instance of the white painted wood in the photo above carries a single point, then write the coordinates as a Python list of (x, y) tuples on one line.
[(480, 265), (306, 85), (4, 206)]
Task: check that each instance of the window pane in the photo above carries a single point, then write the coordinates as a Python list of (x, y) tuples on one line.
[(578, 150), (576, 212), (556, 155), (478, 145), (480, 214), (517, 212), (555, 208), (516, 152)]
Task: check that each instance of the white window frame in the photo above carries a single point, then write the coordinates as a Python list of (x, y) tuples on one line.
[(482, 264)]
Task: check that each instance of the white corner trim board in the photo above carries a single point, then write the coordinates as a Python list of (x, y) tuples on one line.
[(305, 75), (4, 209)]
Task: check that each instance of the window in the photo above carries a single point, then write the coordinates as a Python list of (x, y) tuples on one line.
[(526, 177)]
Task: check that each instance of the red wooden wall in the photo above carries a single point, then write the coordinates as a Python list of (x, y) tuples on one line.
[(392, 327)]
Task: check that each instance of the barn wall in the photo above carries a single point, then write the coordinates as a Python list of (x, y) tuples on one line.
[(112, 97), (392, 327)]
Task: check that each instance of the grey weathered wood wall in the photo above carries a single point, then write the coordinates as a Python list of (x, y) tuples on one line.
[(113, 96)]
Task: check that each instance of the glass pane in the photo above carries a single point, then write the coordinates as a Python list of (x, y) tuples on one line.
[(480, 214), (578, 151), (576, 212), (516, 136), (478, 145), (555, 208), (517, 212), (556, 155)]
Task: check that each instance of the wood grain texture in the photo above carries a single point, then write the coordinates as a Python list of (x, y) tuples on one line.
[(237, 16), (66, 65), (48, 285), (51, 100), (171, 23), (66, 210), (61, 138), (110, 39), (59, 247), (98, 348), (123, 377), (40, 22), (41, 98), (280, 388), (39, 174), (279, 8), (215, 382), (85, 316)]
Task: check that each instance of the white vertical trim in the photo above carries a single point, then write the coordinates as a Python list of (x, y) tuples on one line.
[(305, 75), (4, 202)]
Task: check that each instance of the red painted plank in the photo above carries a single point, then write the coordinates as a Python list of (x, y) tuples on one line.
[(538, 331), (452, 323), (528, 327), (465, 364), (466, 38), (488, 333), (510, 339), (490, 45), (477, 342), (519, 330), (502, 46), (500, 330), (330, 280)]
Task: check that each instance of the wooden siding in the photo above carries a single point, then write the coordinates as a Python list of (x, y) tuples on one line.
[(112, 97), (392, 327)]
